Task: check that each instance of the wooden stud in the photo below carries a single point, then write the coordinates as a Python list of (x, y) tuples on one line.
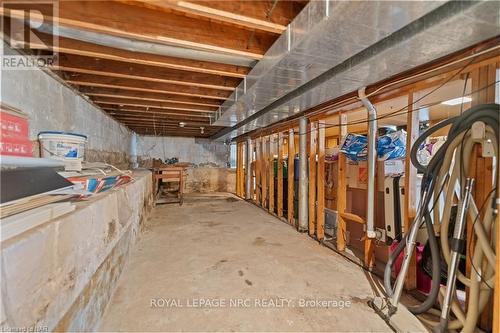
[(320, 183), (265, 172), (481, 169), (410, 186), (280, 174), (291, 166), (341, 187), (270, 158), (312, 177), (496, 306), (239, 170), (258, 170)]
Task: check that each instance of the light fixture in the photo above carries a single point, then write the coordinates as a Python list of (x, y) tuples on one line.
[(182, 124), (202, 130), (458, 100)]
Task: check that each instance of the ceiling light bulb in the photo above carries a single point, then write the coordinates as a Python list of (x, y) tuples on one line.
[(202, 129), (182, 124), (456, 101)]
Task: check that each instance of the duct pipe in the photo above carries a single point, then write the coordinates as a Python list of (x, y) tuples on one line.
[(133, 151), (248, 187), (303, 177), (372, 160)]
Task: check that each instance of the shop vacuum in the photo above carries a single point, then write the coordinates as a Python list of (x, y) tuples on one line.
[(446, 177)]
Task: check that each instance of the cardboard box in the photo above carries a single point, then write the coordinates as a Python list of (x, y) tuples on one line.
[(16, 147), (13, 126), (388, 168), (357, 174)]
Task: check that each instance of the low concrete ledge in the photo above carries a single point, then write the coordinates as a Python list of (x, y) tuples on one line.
[(60, 275)]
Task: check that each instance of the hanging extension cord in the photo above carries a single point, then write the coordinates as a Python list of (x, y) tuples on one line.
[(445, 176)]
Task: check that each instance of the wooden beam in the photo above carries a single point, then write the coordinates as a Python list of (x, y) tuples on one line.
[(312, 177), (66, 46), (86, 80), (214, 14), (270, 157), (280, 175), (162, 118), (145, 96), (278, 12), (175, 122), (122, 20), (156, 105), (119, 69), (320, 185), (410, 209), (153, 112), (291, 166), (341, 187)]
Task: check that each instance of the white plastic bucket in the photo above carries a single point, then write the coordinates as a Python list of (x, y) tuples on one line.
[(68, 147)]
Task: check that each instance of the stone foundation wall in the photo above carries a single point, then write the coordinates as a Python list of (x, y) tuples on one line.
[(61, 274)]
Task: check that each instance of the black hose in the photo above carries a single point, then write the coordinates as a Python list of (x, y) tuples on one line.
[(487, 113)]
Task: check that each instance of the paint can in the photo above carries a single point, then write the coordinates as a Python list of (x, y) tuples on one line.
[(67, 147)]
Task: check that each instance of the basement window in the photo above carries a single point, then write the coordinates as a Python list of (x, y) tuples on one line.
[(232, 156)]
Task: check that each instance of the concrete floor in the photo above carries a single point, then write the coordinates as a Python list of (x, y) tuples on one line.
[(220, 249)]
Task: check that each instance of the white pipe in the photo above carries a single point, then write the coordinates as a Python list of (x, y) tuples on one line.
[(372, 160), (303, 177)]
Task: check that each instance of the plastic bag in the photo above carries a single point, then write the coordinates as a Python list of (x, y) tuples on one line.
[(392, 146), (389, 147), (355, 147)]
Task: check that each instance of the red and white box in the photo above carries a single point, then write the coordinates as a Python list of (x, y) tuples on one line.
[(14, 135)]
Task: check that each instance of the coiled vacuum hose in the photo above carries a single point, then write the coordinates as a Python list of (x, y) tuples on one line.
[(447, 168)]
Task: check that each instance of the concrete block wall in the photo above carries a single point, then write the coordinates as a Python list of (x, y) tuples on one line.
[(53, 106), (61, 274), (209, 170)]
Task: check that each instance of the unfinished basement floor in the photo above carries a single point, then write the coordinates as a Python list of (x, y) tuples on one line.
[(219, 248)]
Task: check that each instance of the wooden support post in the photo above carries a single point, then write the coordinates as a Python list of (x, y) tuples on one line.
[(496, 306), (291, 165), (265, 172), (410, 185), (312, 177), (320, 184), (270, 158), (280, 174), (258, 161), (240, 174), (341, 187), (481, 169)]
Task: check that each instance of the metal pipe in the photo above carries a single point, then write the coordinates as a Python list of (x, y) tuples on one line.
[(133, 151), (457, 247), (248, 187), (372, 160), (303, 176)]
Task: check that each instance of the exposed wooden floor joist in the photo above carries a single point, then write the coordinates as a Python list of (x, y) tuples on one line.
[(178, 60)]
